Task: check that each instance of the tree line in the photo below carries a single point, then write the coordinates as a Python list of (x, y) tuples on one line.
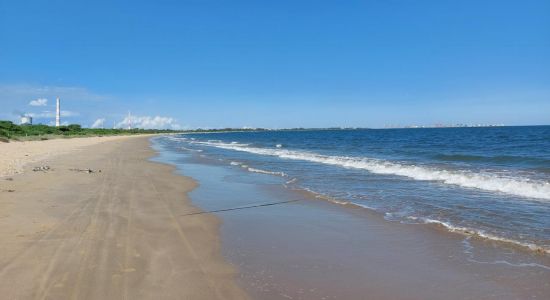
[(9, 130)]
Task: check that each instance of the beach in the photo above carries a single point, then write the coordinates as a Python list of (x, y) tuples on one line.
[(102, 222), (275, 150), (16, 154), (144, 217), (289, 240)]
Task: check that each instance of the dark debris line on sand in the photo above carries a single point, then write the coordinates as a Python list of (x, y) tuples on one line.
[(48, 168), (240, 207), (85, 170)]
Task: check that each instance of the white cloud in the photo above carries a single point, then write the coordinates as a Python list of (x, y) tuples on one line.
[(14, 97), (98, 123), (148, 122), (39, 102)]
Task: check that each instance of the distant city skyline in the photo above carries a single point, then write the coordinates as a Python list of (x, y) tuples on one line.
[(284, 64)]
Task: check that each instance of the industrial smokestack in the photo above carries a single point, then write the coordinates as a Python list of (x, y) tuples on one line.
[(57, 113)]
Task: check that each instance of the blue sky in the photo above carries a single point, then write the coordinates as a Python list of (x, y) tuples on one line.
[(277, 63)]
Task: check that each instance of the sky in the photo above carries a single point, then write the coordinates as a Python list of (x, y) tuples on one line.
[(276, 64)]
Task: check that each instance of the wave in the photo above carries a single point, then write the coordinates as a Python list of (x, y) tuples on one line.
[(330, 199), (491, 159), (480, 233), (192, 150), (518, 186), (468, 232), (293, 180), (177, 139), (266, 172), (468, 249)]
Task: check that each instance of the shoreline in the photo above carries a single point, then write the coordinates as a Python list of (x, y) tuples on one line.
[(310, 249), (458, 183), (109, 234), (470, 233)]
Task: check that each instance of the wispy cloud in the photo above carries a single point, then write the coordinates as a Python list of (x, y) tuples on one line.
[(99, 123), (18, 91), (51, 114), (39, 102), (149, 122)]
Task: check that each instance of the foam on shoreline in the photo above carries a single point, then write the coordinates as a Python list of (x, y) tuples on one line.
[(518, 186), (469, 232), (491, 182)]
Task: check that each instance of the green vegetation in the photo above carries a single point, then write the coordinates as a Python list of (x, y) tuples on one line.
[(8, 131)]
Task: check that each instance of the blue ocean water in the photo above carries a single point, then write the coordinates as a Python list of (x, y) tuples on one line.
[(492, 183)]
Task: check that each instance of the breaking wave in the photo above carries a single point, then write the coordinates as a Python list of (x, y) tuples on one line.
[(466, 231), (518, 186), (481, 234)]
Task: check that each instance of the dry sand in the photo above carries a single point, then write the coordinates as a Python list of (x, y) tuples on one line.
[(15, 155), (114, 234)]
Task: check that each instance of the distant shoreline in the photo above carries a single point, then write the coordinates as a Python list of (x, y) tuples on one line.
[(338, 129)]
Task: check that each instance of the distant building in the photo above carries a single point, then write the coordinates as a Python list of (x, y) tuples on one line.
[(26, 120)]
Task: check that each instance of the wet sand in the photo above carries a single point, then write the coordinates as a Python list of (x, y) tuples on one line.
[(114, 234), (313, 249)]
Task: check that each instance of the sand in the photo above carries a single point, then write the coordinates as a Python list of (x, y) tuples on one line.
[(316, 249), (114, 234), (15, 155)]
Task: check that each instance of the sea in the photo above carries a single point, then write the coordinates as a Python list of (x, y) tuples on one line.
[(490, 183)]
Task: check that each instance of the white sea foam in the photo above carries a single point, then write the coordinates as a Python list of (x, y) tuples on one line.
[(468, 249), (364, 206), (293, 180), (468, 232), (517, 186), (189, 149), (266, 172), (279, 146), (177, 139), (480, 233), (235, 163)]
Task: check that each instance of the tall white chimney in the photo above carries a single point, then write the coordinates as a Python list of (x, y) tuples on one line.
[(57, 113)]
